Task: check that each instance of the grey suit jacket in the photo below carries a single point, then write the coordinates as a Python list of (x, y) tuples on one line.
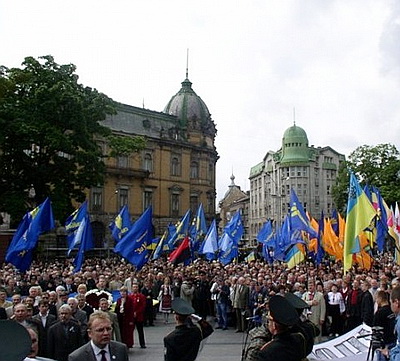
[(85, 352)]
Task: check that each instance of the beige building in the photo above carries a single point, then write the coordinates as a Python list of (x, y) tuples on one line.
[(310, 171), (234, 200), (175, 172)]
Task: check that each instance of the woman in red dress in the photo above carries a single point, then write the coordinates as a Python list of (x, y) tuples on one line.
[(125, 312)]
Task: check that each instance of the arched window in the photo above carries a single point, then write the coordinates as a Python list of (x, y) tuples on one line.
[(194, 170), (148, 162), (175, 165)]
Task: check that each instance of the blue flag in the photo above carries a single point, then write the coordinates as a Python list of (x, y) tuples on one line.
[(121, 224), (266, 233), (320, 251), (228, 249), (335, 222), (209, 247), (73, 222), (228, 243), (84, 238), (381, 225), (181, 230), (162, 245), (25, 239), (135, 245), (298, 217)]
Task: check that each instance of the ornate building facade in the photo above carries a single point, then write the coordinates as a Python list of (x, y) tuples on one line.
[(175, 172), (310, 171)]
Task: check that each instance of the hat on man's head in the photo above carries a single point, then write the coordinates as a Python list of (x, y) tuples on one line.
[(296, 301), (15, 342), (282, 311), (181, 307)]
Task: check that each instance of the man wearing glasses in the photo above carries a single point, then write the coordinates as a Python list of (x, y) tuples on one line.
[(100, 347), (285, 344)]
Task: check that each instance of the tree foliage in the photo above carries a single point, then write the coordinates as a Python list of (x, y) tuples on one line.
[(374, 165), (49, 125)]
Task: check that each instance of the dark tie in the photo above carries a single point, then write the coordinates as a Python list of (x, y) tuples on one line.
[(103, 355)]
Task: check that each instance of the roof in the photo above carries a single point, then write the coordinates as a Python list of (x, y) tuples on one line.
[(187, 105)]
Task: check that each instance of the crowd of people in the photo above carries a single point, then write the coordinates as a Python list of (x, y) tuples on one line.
[(57, 302)]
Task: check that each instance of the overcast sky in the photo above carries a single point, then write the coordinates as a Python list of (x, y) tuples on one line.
[(252, 62)]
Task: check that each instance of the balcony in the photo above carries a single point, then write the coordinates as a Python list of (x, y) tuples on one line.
[(127, 172)]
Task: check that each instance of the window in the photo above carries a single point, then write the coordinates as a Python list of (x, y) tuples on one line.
[(122, 197), (148, 162), (97, 199), (194, 203), (194, 170), (175, 165), (210, 203), (175, 204), (210, 175), (147, 198), (122, 161)]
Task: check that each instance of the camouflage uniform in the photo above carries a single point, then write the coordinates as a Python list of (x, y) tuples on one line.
[(258, 336)]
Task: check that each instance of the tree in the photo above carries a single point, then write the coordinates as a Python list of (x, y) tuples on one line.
[(50, 125), (374, 165)]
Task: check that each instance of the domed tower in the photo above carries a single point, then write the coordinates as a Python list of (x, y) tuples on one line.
[(193, 114), (295, 146)]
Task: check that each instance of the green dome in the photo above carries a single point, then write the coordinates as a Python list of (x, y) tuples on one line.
[(295, 146)]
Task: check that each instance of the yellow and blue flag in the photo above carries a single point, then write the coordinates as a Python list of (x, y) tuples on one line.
[(298, 218), (181, 230), (360, 213), (198, 229), (121, 224), (25, 239), (72, 224), (134, 245)]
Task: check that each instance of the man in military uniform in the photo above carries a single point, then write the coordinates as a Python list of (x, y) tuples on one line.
[(285, 344), (259, 336), (183, 343)]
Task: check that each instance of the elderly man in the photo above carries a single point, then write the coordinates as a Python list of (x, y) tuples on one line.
[(64, 336), (317, 304), (78, 314), (241, 303), (100, 346), (105, 307)]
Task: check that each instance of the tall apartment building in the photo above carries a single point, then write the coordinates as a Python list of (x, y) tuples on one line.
[(310, 171)]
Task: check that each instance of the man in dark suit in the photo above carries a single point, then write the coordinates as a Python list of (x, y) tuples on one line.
[(64, 336), (100, 345), (44, 320)]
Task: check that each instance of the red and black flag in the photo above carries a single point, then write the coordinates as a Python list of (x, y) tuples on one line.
[(182, 253)]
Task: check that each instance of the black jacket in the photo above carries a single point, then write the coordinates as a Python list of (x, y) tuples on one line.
[(285, 346), (183, 343)]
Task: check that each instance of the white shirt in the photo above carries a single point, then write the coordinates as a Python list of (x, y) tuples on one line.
[(97, 352)]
